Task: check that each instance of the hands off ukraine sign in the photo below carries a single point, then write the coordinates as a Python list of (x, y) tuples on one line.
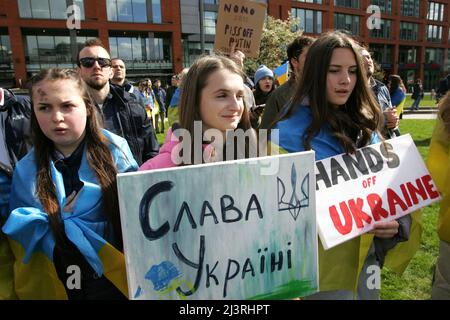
[(381, 182), (221, 231)]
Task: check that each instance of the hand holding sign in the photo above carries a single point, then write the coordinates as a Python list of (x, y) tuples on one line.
[(385, 230)]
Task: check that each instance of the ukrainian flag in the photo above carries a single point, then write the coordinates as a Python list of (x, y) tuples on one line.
[(282, 72)]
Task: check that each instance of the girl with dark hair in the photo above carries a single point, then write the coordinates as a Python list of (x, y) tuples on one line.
[(64, 226), (334, 112), (212, 97), (397, 91), (439, 166)]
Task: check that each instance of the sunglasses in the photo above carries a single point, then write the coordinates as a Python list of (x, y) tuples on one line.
[(88, 62)]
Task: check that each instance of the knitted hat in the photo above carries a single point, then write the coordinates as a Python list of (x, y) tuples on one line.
[(262, 72)]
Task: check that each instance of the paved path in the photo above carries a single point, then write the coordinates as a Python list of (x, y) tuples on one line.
[(420, 116)]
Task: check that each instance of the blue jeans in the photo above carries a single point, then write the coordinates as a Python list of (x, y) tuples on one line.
[(415, 105)]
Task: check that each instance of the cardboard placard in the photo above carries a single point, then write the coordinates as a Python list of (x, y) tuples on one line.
[(240, 23)]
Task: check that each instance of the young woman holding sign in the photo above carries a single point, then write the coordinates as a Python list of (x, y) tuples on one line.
[(334, 112), (64, 226), (439, 166), (211, 107)]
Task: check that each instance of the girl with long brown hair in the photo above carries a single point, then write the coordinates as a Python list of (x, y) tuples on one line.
[(334, 112), (64, 226), (211, 101)]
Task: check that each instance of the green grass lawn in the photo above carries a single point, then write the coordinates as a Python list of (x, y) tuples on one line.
[(415, 283)]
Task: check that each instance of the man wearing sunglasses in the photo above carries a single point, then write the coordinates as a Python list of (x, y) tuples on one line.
[(121, 112)]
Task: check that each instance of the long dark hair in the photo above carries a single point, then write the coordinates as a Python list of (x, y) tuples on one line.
[(353, 123), (98, 156), (191, 89)]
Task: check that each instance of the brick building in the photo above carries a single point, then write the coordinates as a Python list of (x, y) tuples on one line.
[(158, 37)]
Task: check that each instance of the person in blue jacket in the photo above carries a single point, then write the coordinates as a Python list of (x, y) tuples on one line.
[(64, 224), (333, 112)]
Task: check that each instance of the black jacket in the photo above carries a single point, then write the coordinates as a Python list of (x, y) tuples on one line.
[(15, 114), (123, 115)]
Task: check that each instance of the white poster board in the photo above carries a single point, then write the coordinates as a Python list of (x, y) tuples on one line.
[(221, 231), (381, 182)]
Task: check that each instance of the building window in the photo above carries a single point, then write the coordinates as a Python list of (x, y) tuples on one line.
[(347, 3), (346, 22), (52, 49), (410, 8), (47, 9), (310, 21), (209, 22), (156, 11), (433, 55), (382, 54), (141, 51), (310, 1), (211, 2), (5, 50), (409, 31), (435, 11), (407, 54), (127, 10), (384, 5), (192, 50), (434, 33), (384, 32)]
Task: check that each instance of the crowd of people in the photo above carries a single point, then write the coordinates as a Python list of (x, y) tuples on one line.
[(59, 202)]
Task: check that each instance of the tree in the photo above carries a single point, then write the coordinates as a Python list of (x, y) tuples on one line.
[(276, 36)]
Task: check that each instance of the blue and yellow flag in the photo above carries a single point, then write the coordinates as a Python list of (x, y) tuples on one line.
[(31, 242), (282, 73)]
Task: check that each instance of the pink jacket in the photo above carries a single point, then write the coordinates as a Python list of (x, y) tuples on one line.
[(164, 159)]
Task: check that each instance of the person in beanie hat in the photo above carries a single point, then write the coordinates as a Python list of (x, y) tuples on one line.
[(264, 80)]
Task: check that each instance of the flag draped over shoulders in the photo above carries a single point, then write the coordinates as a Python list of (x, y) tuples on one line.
[(340, 266), (31, 238)]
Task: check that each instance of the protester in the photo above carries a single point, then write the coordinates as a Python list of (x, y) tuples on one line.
[(417, 94), (212, 96), (64, 204), (444, 85), (334, 112), (264, 79), (397, 91), (296, 52), (15, 141), (120, 111), (439, 166), (382, 96), (173, 111), (174, 82), (160, 96)]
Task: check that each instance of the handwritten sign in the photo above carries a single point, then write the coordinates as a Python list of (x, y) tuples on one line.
[(221, 231), (381, 182), (240, 23)]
